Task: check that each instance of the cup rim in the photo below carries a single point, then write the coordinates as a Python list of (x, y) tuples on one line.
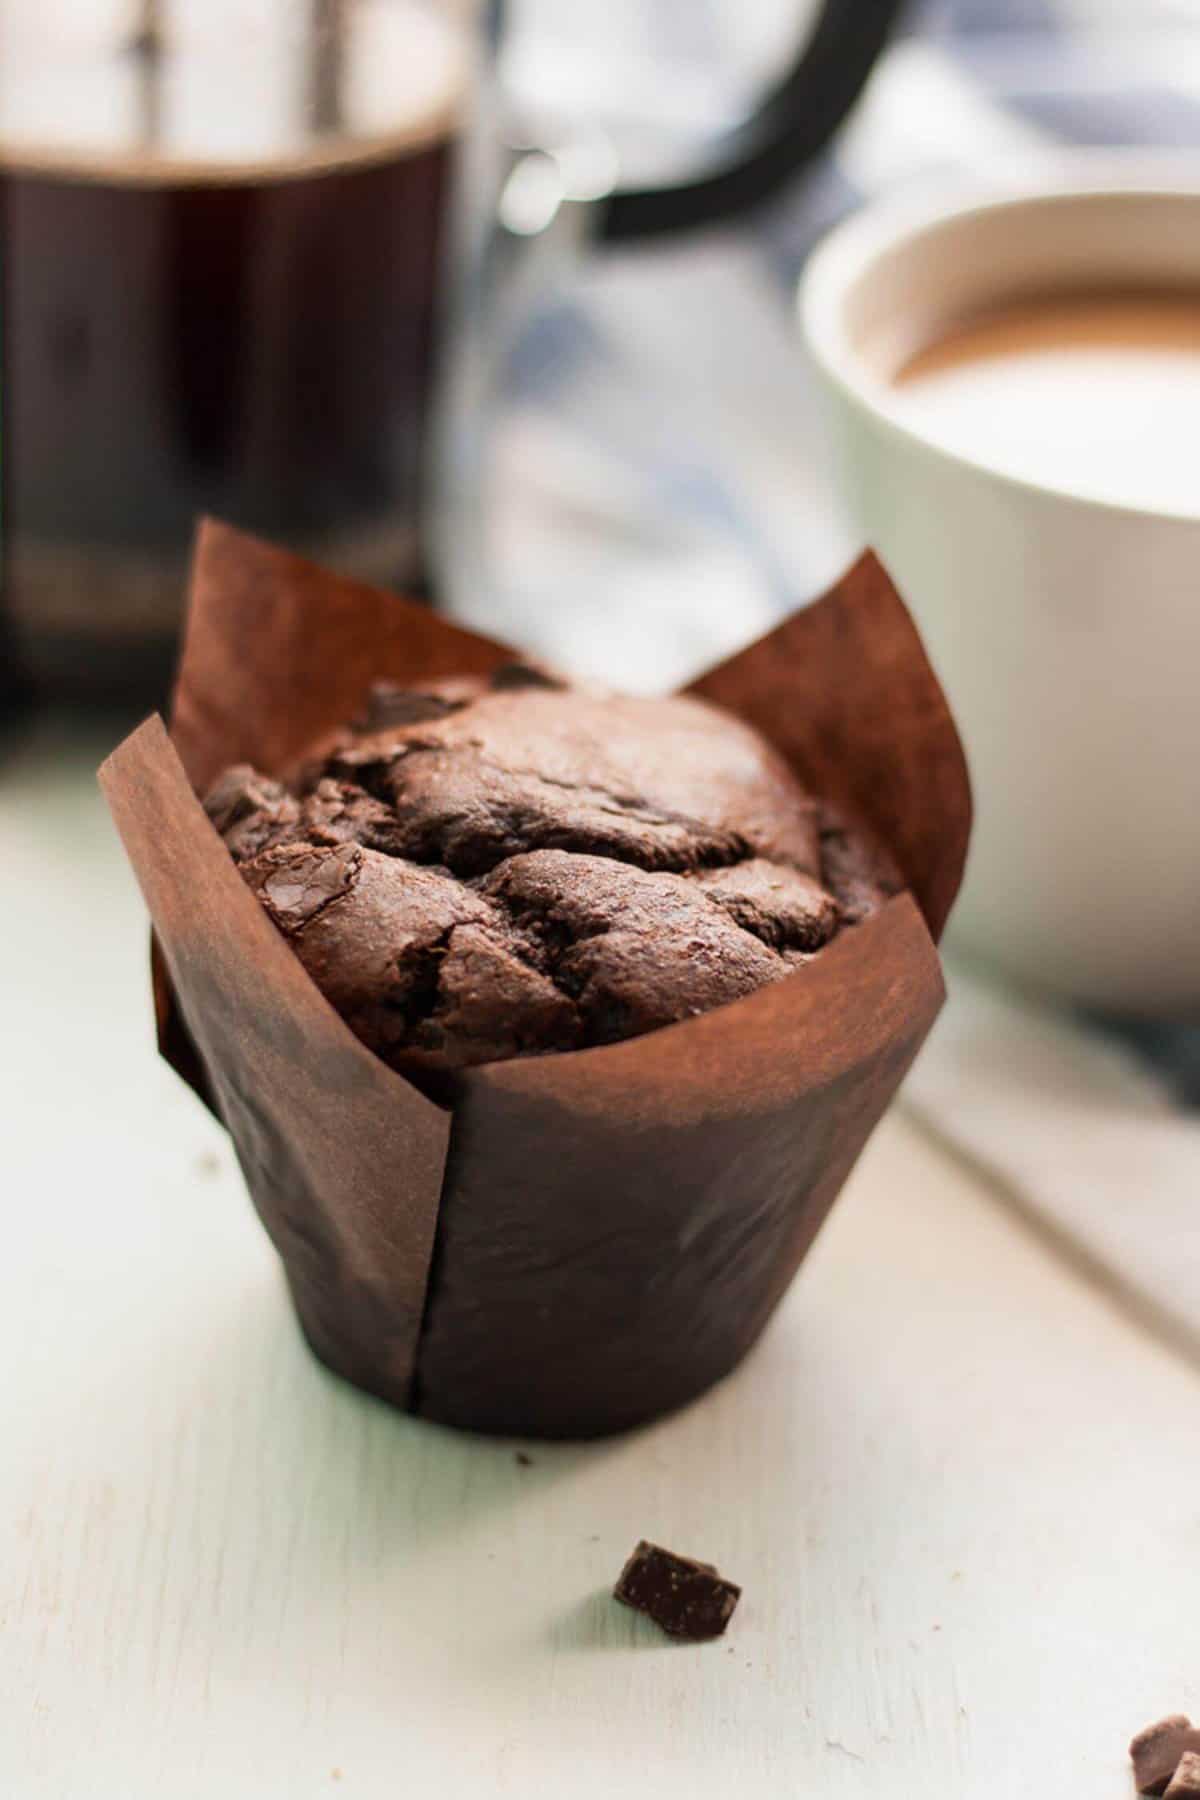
[(850, 249)]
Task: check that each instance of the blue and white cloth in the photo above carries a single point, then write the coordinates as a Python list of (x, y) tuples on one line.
[(664, 491)]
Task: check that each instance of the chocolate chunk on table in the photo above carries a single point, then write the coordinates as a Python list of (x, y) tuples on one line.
[(1185, 1783), (1157, 1751), (687, 1599), (522, 675)]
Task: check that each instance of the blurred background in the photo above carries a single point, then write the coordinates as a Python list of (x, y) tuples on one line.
[(658, 488), (660, 414)]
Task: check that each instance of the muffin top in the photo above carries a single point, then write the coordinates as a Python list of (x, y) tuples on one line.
[(487, 869)]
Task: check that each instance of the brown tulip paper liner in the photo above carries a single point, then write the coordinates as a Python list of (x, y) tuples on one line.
[(579, 1241)]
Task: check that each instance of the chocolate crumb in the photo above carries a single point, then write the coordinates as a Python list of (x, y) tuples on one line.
[(685, 1598), (297, 881), (1185, 1783), (1157, 1751), (523, 675), (525, 1461), (390, 705)]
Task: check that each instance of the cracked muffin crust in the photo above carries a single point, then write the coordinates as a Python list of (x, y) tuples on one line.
[(481, 870)]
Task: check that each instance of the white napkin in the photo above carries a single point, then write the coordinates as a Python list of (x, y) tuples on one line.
[(1080, 1135)]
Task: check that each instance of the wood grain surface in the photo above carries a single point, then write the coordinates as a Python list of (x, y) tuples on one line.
[(957, 1485)]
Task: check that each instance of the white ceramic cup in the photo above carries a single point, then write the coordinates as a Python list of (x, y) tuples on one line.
[(1066, 630)]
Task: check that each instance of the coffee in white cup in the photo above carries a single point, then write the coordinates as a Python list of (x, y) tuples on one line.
[(1013, 380), (1093, 392)]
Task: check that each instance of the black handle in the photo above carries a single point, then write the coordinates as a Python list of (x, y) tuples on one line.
[(794, 122)]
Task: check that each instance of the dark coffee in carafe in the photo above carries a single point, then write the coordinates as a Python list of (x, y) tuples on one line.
[(218, 263)]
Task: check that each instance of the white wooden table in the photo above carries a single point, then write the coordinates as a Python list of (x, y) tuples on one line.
[(959, 1487)]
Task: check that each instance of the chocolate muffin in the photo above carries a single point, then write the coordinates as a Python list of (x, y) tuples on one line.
[(489, 869)]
